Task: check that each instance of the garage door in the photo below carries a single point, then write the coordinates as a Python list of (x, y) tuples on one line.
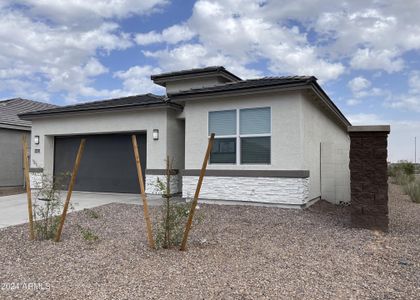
[(107, 164)]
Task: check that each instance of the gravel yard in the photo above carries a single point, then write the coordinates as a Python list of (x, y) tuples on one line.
[(238, 252)]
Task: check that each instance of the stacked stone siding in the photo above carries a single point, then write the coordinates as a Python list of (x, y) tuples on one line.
[(289, 191), (369, 185), (151, 186), (35, 178)]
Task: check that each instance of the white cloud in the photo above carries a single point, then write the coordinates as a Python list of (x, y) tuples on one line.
[(361, 88), (170, 35), (353, 102), (77, 12), (136, 80), (368, 59), (365, 119), (236, 34), (44, 40), (75, 79), (414, 82), (54, 58), (196, 55), (408, 101), (359, 83)]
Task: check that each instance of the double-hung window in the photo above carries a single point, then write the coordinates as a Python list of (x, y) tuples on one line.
[(243, 136)]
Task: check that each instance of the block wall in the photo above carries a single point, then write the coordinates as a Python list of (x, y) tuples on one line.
[(369, 179)]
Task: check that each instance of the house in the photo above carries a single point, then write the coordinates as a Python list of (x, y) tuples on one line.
[(279, 140), (11, 130)]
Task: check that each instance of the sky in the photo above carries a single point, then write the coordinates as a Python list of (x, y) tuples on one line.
[(365, 54)]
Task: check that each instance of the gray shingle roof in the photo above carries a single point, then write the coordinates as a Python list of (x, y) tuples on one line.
[(248, 84), (11, 108), (147, 100)]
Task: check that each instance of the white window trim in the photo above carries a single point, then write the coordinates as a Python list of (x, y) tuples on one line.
[(238, 136)]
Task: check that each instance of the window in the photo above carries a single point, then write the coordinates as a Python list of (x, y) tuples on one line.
[(253, 136), (224, 151), (223, 124)]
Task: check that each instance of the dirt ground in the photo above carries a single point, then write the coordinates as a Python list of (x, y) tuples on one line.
[(238, 252)]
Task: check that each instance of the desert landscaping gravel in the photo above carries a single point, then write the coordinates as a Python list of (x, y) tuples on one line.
[(237, 252)]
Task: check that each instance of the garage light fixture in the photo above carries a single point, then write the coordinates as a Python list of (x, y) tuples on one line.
[(36, 140), (155, 134)]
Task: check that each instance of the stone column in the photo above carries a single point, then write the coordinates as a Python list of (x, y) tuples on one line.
[(369, 176)]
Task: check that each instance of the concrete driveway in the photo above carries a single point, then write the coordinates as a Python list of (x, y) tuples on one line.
[(14, 208)]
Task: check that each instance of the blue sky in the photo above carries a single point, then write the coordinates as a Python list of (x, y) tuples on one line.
[(366, 54)]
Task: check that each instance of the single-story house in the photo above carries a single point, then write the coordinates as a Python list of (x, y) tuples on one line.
[(11, 130), (279, 140)]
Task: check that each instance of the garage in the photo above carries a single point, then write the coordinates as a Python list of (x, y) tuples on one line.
[(107, 164)]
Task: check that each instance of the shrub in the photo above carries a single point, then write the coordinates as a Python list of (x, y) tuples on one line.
[(402, 166), (48, 206), (412, 189), (407, 167), (170, 229), (91, 213), (87, 234), (401, 178), (173, 216)]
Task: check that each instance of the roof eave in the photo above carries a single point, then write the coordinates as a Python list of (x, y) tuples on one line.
[(162, 80), (327, 100), (181, 97), (36, 115), (15, 127), (307, 84)]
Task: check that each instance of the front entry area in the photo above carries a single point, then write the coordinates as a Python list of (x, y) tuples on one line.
[(107, 164)]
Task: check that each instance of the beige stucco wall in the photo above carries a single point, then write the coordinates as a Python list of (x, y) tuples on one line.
[(176, 139), (329, 175), (286, 150), (105, 122)]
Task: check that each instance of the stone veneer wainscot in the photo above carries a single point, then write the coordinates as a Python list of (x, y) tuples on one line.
[(270, 190)]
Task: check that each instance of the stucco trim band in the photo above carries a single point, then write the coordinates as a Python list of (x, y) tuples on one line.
[(160, 172), (370, 128), (250, 173)]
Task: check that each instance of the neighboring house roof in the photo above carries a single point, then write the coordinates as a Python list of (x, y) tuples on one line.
[(11, 108), (220, 71), (147, 100), (261, 84)]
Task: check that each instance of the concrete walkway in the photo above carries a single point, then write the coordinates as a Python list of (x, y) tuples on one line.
[(14, 208)]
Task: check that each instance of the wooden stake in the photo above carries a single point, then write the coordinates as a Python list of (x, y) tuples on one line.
[(197, 193), (143, 194), (70, 189), (28, 187)]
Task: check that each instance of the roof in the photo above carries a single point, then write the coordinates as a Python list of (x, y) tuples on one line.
[(282, 82), (183, 74), (175, 100), (247, 84), (11, 108), (146, 100)]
